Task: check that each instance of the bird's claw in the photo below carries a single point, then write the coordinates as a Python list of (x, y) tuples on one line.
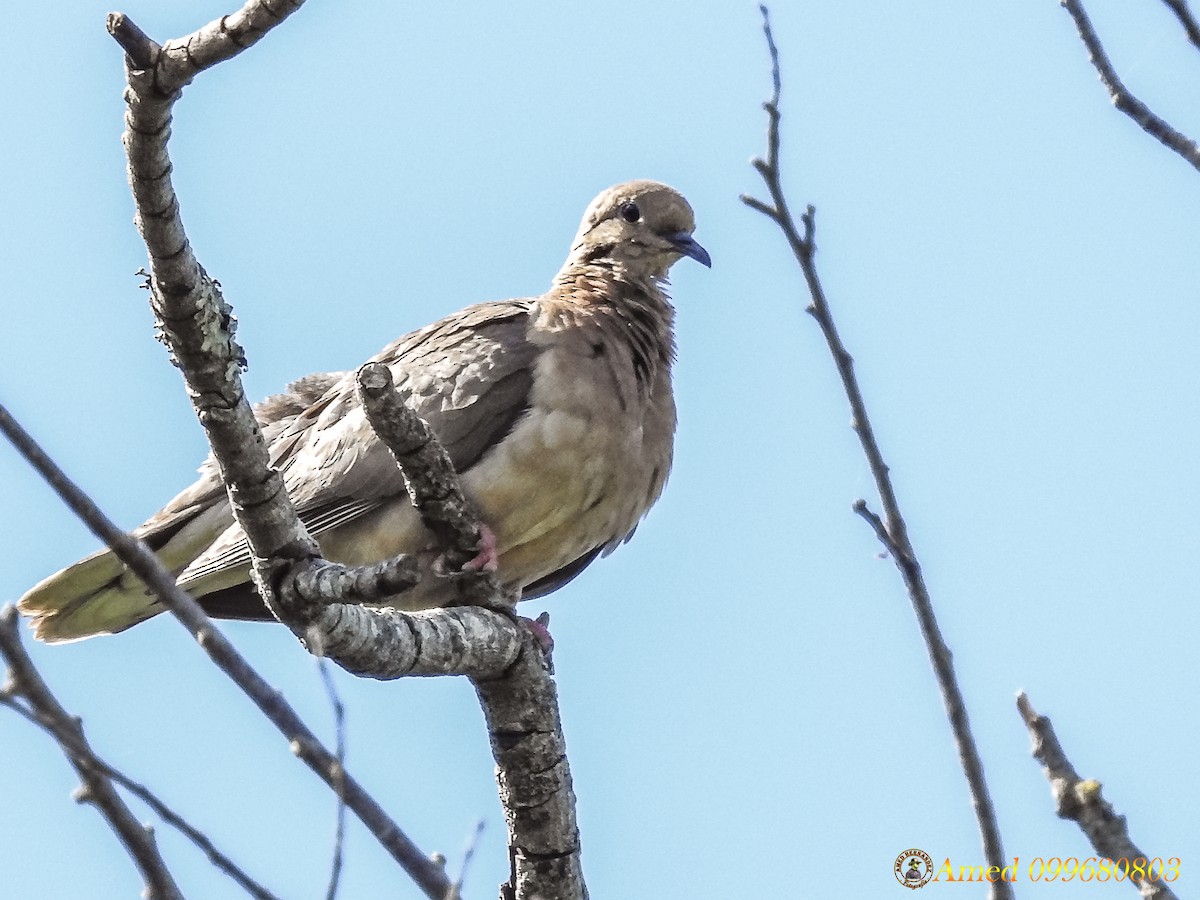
[(487, 560), (540, 629)]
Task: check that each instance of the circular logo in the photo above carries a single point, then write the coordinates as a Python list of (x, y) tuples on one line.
[(913, 868)]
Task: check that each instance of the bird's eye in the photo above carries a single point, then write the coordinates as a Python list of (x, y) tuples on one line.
[(630, 212)]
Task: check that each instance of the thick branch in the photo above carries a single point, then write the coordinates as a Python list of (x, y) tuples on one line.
[(891, 527), (1080, 800), (97, 788), (534, 780), (296, 584), (1121, 97), (194, 321), (198, 328)]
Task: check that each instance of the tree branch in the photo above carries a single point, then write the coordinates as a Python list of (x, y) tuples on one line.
[(428, 473), (519, 704), (1186, 19), (1080, 801), (1121, 97), (97, 788), (534, 780), (339, 829), (198, 328), (891, 528), (69, 739), (303, 743)]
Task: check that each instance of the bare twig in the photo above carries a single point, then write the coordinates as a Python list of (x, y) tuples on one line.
[(70, 741), (468, 856), (1080, 800), (303, 743), (1186, 19), (97, 788), (891, 529), (1121, 97), (339, 728)]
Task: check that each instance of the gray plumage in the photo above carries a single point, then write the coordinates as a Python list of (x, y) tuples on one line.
[(557, 412)]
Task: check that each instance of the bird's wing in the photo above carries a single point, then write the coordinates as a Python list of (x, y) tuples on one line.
[(469, 376), (274, 414)]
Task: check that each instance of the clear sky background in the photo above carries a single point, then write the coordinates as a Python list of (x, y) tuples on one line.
[(748, 706)]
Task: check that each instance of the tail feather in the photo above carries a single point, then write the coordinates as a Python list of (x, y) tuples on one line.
[(79, 580), (97, 595)]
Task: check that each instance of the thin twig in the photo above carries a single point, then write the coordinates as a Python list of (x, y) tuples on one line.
[(339, 729), (97, 788), (303, 743), (1080, 800), (891, 528), (1187, 19), (468, 856), (71, 745), (876, 523), (1122, 99)]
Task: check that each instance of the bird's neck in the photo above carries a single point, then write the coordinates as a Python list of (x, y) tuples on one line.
[(630, 308), (606, 280)]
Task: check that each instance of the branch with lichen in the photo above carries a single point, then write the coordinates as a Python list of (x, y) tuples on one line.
[(320, 601), (1080, 800)]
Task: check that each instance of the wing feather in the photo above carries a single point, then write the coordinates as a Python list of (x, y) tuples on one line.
[(469, 376)]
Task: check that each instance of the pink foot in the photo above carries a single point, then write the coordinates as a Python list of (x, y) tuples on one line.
[(540, 630), (487, 560)]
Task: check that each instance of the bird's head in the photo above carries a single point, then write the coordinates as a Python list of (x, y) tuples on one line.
[(642, 226)]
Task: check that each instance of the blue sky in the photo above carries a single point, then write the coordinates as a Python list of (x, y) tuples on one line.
[(748, 707)]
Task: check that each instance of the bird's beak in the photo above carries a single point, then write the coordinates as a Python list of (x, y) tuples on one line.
[(687, 245)]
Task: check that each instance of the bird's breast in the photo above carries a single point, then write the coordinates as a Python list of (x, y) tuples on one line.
[(580, 468)]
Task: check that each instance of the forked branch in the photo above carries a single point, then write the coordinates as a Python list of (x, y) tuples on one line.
[(198, 328)]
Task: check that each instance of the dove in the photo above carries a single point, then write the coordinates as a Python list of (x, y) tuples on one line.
[(557, 412)]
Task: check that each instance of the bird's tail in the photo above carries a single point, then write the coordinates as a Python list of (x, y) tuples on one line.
[(99, 595), (96, 595)]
